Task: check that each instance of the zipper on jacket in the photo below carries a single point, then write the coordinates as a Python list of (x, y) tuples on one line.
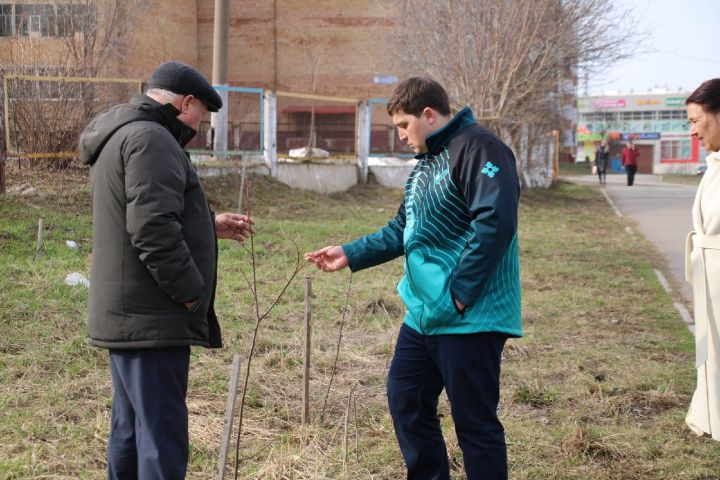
[(418, 208)]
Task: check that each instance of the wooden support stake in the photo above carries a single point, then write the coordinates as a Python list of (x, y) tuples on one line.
[(346, 428), (229, 415), (3, 158), (41, 231), (306, 362)]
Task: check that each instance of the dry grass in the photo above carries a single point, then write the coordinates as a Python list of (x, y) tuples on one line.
[(595, 390)]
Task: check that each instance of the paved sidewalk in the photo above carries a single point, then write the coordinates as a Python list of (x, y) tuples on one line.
[(641, 179)]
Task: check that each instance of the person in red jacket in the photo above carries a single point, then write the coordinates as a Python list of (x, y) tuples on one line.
[(629, 161)]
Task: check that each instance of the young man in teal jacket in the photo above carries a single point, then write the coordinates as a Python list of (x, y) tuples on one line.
[(457, 228)]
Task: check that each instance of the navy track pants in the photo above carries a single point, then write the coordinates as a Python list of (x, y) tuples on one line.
[(468, 367)]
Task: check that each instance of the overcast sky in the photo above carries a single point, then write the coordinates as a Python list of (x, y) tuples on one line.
[(685, 40)]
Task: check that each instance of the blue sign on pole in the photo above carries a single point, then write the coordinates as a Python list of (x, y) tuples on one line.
[(385, 79), (641, 136)]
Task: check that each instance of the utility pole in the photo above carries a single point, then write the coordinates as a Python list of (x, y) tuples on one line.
[(219, 120)]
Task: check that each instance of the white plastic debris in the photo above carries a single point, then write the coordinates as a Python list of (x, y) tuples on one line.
[(303, 153), (76, 278), (391, 162), (71, 244)]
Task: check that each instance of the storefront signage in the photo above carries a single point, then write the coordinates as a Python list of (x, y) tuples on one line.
[(589, 137), (608, 103), (675, 102), (641, 136), (644, 101)]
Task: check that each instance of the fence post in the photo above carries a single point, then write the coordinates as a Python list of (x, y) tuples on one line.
[(3, 158), (270, 134), (306, 362), (363, 138), (524, 156), (40, 234), (219, 123), (556, 153)]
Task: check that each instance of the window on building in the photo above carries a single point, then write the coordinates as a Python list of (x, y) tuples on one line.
[(6, 20), (72, 18), (43, 19), (639, 115), (600, 117), (676, 149), (673, 114)]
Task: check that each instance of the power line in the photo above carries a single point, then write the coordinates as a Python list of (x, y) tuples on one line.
[(690, 57)]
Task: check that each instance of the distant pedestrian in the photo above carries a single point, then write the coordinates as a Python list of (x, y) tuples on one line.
[(630, 155), (703, 261), (602, 158)]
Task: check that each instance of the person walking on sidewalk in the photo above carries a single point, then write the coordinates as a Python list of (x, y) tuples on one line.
[(702, 262), (154, 266), (457, 228), (602, 158), (630, 155)]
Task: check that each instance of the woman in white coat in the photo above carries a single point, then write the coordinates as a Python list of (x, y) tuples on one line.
[(702, 262)]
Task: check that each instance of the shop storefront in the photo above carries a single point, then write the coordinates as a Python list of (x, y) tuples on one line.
[(656, 123)]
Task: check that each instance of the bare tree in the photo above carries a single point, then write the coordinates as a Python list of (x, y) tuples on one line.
[(314, 48), (514, 62), (46, 116)]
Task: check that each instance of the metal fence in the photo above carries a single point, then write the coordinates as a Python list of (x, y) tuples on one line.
[(384, 140), (245, 125), (316, 121), (43, 116)]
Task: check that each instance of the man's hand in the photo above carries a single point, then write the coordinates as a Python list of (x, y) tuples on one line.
[(233, 226), (328, 259)]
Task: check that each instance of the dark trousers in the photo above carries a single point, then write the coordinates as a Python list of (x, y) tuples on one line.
[(149, 425), (601, 176), (468, 367), (630, 169)]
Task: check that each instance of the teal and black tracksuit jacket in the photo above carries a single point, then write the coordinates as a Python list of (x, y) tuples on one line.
[(457, 228)]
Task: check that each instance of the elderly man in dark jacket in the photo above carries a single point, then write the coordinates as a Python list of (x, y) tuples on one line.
[(154, 265)]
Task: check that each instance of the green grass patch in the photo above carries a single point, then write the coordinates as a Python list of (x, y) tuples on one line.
[(597, 388), (571, 169), (682, 179)]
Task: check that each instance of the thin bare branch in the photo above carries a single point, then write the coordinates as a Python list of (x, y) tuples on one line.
[(337, 349)]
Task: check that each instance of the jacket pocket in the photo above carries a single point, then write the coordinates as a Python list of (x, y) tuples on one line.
[(413, 306), (429, 283), (442, 311)]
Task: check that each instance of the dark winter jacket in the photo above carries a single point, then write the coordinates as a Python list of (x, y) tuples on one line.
[(602, 158), (457, 228), (154, 244)]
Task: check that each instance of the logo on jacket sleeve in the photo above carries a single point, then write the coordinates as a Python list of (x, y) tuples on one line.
[(489, 169)]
